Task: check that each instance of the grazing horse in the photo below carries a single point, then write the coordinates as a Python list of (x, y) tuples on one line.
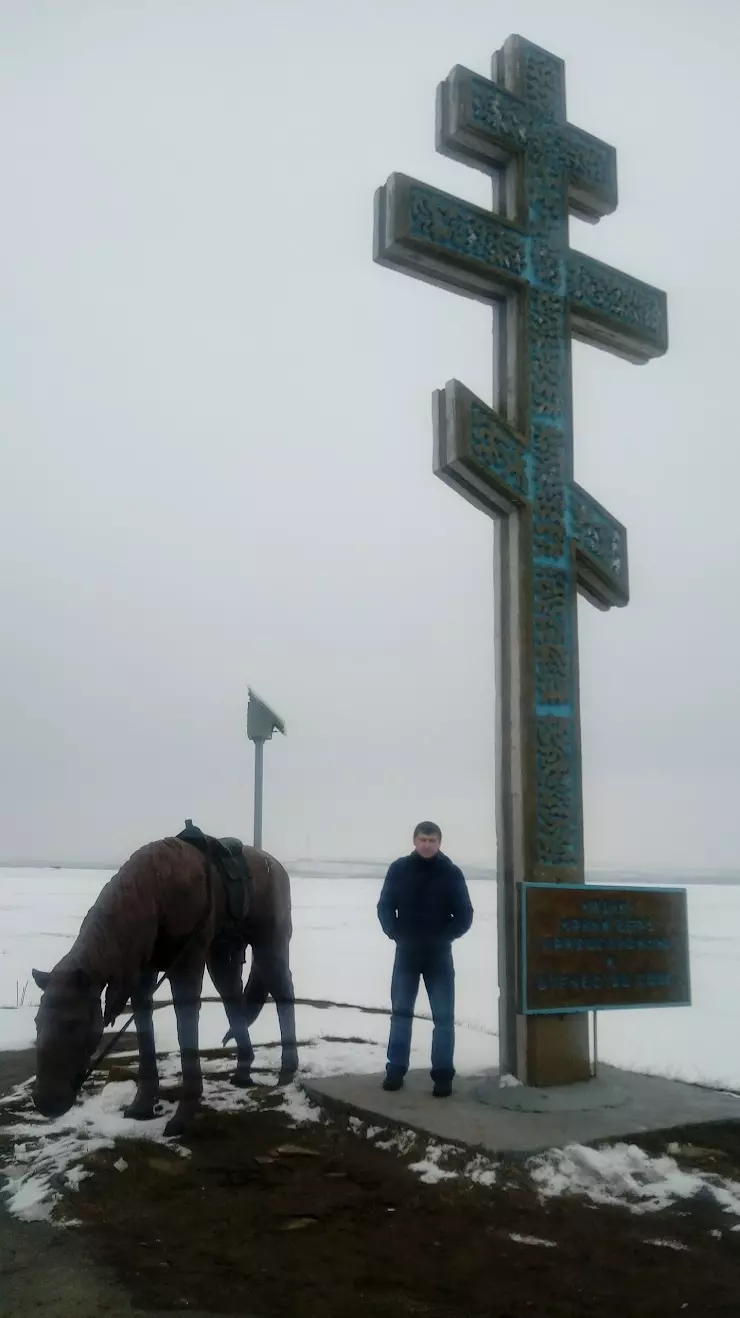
[(167, 909)]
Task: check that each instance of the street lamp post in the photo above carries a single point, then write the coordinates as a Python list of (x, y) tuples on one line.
[(261, 723)]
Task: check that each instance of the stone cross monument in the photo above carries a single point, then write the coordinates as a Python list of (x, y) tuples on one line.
[(515, 460)]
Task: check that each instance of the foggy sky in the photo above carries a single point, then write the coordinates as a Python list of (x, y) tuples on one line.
[(216, 441)]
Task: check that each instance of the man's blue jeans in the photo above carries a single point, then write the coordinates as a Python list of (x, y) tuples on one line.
[(432, 962)]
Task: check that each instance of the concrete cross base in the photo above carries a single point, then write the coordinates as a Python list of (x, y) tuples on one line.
[(619, 1105), (584, 1097)]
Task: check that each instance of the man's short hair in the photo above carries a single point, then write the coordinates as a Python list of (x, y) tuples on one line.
[(428, 829)]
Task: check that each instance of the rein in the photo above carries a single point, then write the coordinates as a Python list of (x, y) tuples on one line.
[(103, 1052)]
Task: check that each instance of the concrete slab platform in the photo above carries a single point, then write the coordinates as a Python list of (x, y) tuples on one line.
[(520, 1121)]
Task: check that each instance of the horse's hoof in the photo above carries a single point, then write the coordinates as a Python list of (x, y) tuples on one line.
[(142, 1109), (242, 1080), (286, 1076), (180, 1121)]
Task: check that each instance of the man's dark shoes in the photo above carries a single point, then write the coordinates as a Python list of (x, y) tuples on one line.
[(393, 1082), (442, 1089)]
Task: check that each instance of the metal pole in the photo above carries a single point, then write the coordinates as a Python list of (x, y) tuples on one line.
[(596, 1046), (259, 747)]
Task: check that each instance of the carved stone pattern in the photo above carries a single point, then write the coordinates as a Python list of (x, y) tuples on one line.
[(545, 187), (617, 296), (551, 588), (549, 505), (585, 162), (504, 116), (552, 671), (548, 355), (602, 538), (558, 814), (546, 317), (548, 384), (547, 266), (543, 82), (496, 451), (466, 231)]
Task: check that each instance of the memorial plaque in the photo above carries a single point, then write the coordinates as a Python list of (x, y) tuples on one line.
[(588, 948)]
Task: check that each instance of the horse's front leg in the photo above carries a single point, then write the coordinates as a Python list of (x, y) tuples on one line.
[(187, 984), (147, 1088), (225, 967)]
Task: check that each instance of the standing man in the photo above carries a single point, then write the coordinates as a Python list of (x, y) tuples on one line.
[(424, 905)]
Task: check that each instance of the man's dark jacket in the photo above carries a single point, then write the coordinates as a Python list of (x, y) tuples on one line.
[(425, 900)]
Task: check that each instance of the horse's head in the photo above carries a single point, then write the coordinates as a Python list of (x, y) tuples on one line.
[(69, 1027)]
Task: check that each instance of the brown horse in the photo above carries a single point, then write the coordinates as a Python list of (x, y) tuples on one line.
[(165, 910)]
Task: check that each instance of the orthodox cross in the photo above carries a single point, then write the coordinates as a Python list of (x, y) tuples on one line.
[(515, 461)]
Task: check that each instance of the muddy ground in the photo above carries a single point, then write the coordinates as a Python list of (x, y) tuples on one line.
[(269, 1221)]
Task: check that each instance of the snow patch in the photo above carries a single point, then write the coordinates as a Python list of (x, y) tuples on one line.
[(508, 1082), (625, 1174), (48, 1156), (47, 1159), (428, 1168), (31, 1201), (481, 1171), (531, 1240), (401, 1142), (298, 1106)]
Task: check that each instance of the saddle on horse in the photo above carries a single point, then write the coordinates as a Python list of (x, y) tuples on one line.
[(227, 855)]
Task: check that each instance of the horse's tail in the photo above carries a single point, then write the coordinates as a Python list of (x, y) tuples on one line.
[(255, 993), (253, 999)]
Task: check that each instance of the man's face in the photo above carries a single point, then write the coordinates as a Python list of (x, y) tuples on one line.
[(427, 844)]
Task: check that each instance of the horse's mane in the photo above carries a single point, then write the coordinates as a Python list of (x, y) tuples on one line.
[(118, 933)]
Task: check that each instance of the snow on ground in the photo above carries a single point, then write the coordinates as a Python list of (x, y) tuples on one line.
[(624, 1173), (17, 1028), (428, 1168), (339, 955), (47, 1155)]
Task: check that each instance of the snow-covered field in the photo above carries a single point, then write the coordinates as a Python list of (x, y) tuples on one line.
[(339, 955)]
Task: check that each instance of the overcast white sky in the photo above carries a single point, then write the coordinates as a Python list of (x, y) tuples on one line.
[(215, 429)]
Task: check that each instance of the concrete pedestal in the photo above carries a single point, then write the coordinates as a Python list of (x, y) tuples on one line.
[(518, 1120)]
